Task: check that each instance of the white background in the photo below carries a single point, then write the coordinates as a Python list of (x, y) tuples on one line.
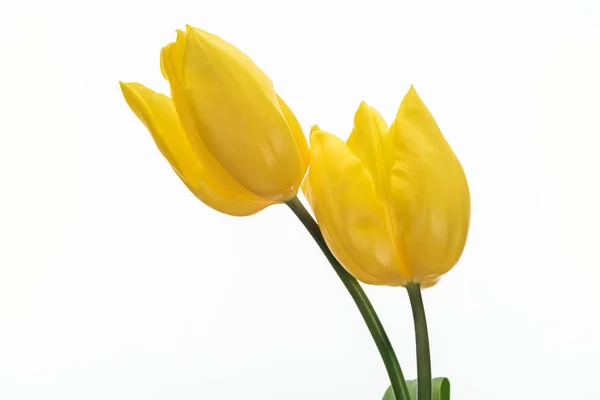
[(116, 283)]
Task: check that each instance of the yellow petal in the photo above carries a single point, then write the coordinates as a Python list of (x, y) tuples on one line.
[(371, 142), (430, 192), (171, 59), (171, 64), (236, 113), (351, 217), (157, 112), (296, 131)]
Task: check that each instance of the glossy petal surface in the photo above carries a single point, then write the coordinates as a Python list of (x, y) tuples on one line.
[(352, 218), (296, 131), (235, 112), (158, 114), (371, 142), (171, 61), (393, 205), (429, 192)]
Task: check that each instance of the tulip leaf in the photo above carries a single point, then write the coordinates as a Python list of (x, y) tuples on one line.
[(441, 390)]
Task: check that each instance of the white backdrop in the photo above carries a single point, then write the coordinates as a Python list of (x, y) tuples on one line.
[(116, 283)]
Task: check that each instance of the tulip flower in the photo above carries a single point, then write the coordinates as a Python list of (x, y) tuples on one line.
[(227, 134), (393, 204)]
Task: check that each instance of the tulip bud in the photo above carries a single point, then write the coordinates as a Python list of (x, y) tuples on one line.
[(393, 204), (230, 138)]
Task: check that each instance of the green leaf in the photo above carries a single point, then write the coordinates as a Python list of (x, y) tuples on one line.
[(441, 390)]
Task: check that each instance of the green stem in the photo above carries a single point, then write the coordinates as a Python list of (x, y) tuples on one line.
[(362, 302), (422, 340)]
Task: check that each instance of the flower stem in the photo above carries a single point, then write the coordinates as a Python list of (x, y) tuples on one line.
[(422, 340), (362, 302)]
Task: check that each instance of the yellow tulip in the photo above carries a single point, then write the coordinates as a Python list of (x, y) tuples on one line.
[(227, 134), (393, 204)]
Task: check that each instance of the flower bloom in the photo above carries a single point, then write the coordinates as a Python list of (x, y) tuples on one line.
[(393, 204), (229, 137)]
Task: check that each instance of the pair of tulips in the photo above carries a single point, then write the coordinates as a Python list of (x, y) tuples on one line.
[(392, 202)]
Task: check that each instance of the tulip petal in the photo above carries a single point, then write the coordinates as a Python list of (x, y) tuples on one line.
[(171, 60), (171, 64), (237, 115), (430, 192), (371, 142), (296, 131), (351, 217), (172, 68), (157, 112)]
